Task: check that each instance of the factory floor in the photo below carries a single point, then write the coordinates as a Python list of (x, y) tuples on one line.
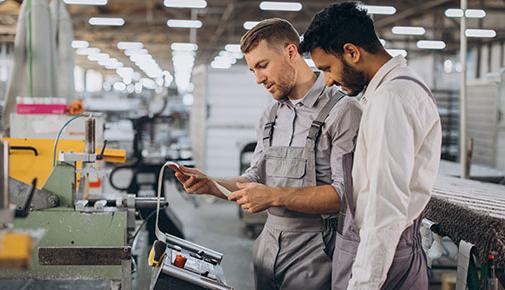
[(216, 225)]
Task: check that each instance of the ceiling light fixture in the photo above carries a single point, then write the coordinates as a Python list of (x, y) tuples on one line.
[(470, 13), (281, 6), (185, 3), (377, 9), (86, 2), (129, 45), (431, 44), (87, 51), (232, 47), (130, 52), (98, 56), (106, 21), (230, 60), (177, 23), (80, 43), (250, 24), (483, 33), (408, 30), (184, 46), (220, 65)]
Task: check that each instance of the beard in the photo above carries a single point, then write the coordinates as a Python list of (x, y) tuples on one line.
[(352, 79), (284, 86)]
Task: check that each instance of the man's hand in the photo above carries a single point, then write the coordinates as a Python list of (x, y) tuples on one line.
[(194, 181), (253, 197)]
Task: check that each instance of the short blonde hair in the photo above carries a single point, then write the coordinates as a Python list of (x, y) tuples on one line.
[(274, 31)]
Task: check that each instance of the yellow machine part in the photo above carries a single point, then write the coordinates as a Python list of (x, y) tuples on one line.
[(15, 250), (24, 165)]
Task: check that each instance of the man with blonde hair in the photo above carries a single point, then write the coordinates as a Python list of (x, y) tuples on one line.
[(296, 170)]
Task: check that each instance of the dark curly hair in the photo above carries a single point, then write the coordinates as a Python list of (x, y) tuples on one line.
[(345, 22)]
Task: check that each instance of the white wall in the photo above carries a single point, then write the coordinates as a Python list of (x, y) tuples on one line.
[(226, 110)]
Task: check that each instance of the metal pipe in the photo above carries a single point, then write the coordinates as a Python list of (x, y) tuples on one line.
[(462, 95), (149, 202)]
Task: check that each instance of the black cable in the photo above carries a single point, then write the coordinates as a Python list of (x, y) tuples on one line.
[(144, 222), (131, 166)]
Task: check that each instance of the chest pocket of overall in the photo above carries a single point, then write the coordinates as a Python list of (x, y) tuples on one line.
[(284, 170)]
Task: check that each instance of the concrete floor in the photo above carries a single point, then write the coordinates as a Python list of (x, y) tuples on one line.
[(217, 226)]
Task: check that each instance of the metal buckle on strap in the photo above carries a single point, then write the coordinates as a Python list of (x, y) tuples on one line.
[(315, 130), (268, 128), (317, 124)]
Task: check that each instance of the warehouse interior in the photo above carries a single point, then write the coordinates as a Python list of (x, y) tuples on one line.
[(98, 96)]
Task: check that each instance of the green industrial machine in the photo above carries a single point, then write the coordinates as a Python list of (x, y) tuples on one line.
[(92, 243)]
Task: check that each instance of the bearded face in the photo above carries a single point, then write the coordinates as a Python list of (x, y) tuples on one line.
[(272, 69)]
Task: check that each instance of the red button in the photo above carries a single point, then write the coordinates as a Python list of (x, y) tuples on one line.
[(180, 261)]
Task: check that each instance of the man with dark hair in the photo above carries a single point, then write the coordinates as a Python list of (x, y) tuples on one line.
[(296, 170), (396, 158)]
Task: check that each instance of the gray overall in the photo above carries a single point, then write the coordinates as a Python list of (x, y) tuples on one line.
[(408, 270), (294, 249)]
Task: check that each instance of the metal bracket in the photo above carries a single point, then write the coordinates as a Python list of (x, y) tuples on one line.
[(74, 157), (42, 199), (84, 255)]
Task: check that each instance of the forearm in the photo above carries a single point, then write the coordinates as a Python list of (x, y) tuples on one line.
[(230, 183), (322, 199)]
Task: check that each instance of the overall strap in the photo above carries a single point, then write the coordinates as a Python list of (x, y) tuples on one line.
[(268, 129), (317, 124), (425, 88)]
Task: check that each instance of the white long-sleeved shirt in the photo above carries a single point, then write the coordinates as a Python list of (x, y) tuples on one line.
[(395, 166)]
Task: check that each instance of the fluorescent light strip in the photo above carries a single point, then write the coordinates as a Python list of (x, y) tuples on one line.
[(119, 86), (232, 47), (108, 63), (86, 2), (177, 23), (281, 6), (131, 52), (408, 30), (98, 56), (376, 9), (470, 13), (185, 3), (87, 51), (382, 41), (396, 52), (431, 44), (103, 21), (483, 33), (220, 65), (114, 66), (129, 45), (184, 46), (141, 57), (80, 44), (250, 24), (225, 59)]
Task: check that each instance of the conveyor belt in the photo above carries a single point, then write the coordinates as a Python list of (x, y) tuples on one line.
[(472, 211)]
